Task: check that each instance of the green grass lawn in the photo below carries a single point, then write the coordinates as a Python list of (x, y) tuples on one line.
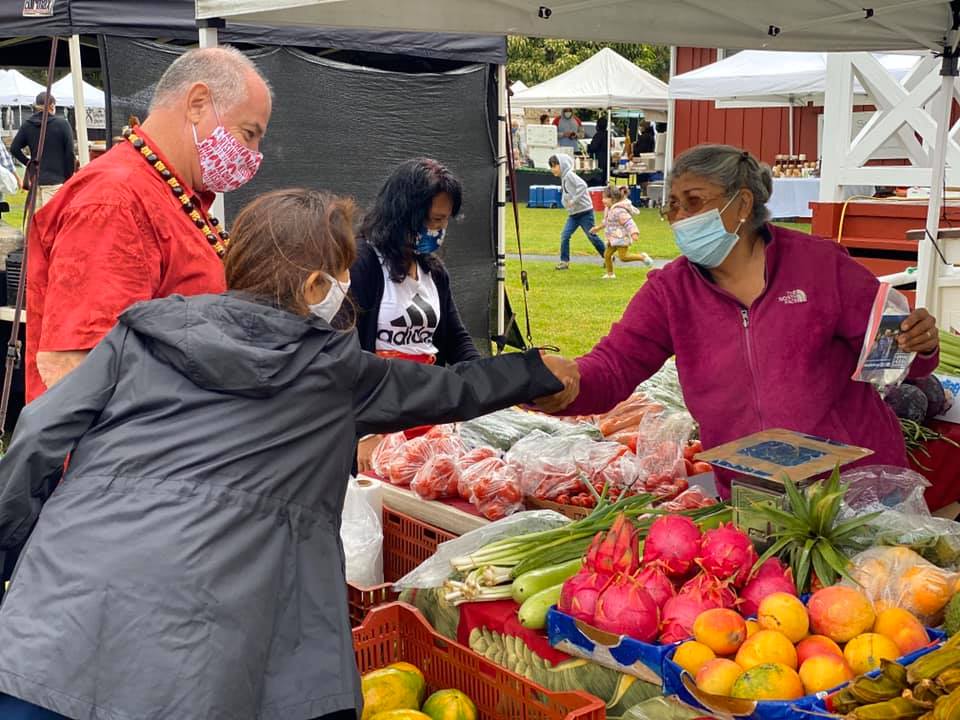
[(15, 216), (573, 308)]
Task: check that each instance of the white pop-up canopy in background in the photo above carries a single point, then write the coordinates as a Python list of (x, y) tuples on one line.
[(763, 78), (605, 80), (62, 90), (16, 89)]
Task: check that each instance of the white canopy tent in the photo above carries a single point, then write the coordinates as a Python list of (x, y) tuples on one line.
[(16, 89), (605, 81), (765, 78), (810, 25), (62, 90)]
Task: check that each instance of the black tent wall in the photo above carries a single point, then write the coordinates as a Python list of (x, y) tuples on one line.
[(342, 128), (174, 19)]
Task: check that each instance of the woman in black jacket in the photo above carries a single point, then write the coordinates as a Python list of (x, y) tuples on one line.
[(189, 565), (399, 284)]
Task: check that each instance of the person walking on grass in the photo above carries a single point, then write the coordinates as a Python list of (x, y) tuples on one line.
[(619, 229), (576, 200)]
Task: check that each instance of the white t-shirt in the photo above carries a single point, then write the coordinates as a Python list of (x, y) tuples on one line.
[(409, 314)]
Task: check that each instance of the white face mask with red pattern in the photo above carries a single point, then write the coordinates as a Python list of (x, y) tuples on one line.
[(225, 163)]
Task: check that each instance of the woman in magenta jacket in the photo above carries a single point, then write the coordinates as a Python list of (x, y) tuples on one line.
[(766, 323)]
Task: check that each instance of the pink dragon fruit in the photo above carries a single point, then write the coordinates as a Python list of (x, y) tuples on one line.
[(625, 608), (579, 594), (773, 576), (716, 590), (727, 552), (679, 614), (674, 541), (655, 581)]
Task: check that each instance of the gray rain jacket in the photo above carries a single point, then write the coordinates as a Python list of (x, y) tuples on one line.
[(189, 564)]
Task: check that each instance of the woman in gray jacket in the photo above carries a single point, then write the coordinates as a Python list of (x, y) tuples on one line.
[(189, 564)]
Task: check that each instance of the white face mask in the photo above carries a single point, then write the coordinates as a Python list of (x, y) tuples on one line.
[(328, 308)]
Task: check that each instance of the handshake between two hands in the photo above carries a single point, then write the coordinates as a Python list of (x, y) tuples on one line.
[(567, 372)]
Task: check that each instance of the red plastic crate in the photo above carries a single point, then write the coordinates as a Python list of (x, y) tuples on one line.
[(398, 633), (407, 542)]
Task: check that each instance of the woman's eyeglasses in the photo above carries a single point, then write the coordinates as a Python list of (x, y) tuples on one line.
[(690, 206)]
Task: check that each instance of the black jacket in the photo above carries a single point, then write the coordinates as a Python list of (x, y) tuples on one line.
[(58, 161), (190, 564), (599, 147), (451, 339)]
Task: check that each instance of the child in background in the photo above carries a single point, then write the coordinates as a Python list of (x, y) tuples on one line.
[(576, 199), (619, 229)]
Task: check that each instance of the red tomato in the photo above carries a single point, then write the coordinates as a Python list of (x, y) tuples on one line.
[(701, 467)]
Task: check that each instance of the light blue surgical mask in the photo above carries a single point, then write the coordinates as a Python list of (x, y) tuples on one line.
[(704, 239), (429, 241), (328, 308)]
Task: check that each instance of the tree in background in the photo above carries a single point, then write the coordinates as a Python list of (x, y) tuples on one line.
[(534, 60)]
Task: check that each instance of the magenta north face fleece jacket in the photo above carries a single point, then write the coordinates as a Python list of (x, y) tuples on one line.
[(784, 362)]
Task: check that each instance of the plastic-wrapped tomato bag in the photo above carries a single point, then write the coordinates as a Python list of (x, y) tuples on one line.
[(546, 466), (438, 478), (472, 457), (408, 459), (689, 499), (660, 444), (601, 462), (384, 453), (498, 494), (480, 469)]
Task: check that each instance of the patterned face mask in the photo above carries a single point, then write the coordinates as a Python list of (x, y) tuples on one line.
[(225, 163)]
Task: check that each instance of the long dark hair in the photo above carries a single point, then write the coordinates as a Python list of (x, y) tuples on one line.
[(400, 210)]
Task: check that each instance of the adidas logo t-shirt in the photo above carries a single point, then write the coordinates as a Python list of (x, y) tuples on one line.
[(409, 314)]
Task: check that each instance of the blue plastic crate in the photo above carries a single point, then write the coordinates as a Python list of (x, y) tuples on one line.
[(535, 197), (552, 196), (635, 195)]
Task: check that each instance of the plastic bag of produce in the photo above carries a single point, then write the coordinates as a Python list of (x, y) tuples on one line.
[(408, 459), (481, 469), (663, 387), (437, 478), (899, 577), (504, 428), (883, 487), (498, 494), (626, 416), (361, 533), (904, 519), (384, 453), (546, 466), (660, 443), (434, 571)]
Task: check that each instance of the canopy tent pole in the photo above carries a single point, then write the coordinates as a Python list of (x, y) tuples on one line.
[(209, 38), (790, 124), (671, 124), (502, 129), (928, 254), (609, 142), (79, 107)]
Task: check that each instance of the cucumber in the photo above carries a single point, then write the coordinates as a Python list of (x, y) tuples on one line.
[(534, 581), (533, 612)]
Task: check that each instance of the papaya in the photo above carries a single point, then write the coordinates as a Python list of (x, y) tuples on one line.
[(449, 705), (397, 687)]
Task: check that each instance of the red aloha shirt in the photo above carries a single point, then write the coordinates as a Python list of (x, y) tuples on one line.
[(114, 235)]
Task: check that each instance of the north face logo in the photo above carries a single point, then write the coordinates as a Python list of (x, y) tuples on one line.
[(416, 326), (794, 297)]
